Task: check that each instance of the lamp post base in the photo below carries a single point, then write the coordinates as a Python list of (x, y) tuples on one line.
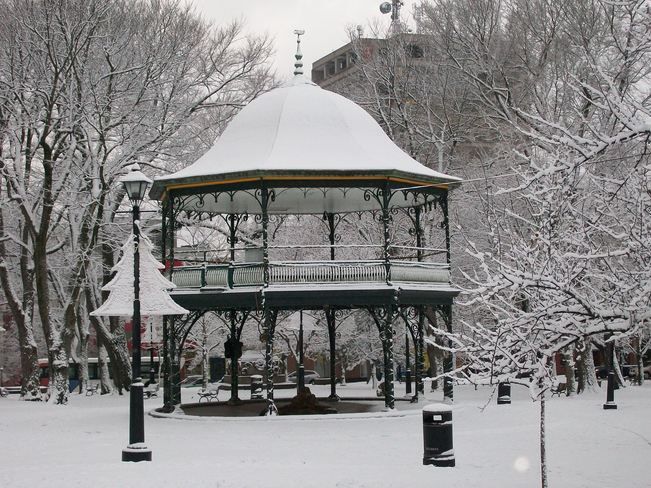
[(136, 454), (610, 406)]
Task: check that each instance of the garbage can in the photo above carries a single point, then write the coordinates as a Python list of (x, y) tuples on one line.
[(504, 393), (437, 435), (256, 386)]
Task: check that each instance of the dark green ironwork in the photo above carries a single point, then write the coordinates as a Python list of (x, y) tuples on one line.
[(383, 318), (420, 355), (443, 199), (407, 365), (332, 332), (386, 218), (384, 302), (264, 206)]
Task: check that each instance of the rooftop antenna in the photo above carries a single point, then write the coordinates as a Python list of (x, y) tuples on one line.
[(394, 8), (298, 65)]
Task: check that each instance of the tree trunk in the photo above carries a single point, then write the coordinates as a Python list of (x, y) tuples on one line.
[(204, 355), (82, 357), (618, 371), (103, 368), (115, 345), (433, 365), (568, 363), (22, 310), (587, 378), (639, 360)]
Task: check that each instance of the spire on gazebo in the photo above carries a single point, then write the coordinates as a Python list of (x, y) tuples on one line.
[(298, 65)]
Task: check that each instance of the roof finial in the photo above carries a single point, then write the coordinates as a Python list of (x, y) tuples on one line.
[(298, 65)]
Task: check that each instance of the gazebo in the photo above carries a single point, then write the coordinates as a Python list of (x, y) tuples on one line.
[(304, 151)]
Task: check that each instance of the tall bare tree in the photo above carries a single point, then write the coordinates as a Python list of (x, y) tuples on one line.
[(87, 88)]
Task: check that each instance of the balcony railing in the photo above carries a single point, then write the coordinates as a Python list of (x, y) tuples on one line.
[(316, 272)]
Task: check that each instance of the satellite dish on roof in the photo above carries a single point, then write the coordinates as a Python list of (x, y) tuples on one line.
[(385, 7)]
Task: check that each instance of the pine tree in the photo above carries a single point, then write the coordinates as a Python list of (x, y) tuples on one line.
[(154, 296)]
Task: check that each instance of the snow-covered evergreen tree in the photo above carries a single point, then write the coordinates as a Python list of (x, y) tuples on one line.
[(154, 298)]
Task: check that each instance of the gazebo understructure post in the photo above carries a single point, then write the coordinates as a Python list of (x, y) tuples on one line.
[(383, 318), (333, 221), (236, 320), (385, 288), (413, 318), (416, 330), (236, 323), (332, 337)]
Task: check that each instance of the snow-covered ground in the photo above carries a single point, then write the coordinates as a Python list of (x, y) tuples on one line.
[(80, 445)]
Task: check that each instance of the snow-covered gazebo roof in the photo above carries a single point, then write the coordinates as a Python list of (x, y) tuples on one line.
[(301, 133)]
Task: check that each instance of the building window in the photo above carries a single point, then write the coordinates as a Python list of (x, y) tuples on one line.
[(414, 51)]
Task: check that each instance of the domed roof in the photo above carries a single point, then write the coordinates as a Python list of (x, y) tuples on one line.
[(300, 130)]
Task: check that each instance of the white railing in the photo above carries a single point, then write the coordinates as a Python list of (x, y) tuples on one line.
[(299, 272)]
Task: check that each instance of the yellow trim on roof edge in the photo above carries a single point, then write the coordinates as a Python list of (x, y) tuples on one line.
[(313, 178)]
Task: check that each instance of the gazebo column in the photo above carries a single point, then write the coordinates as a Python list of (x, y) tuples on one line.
[(385, 201), (413, 318), (332, 331), (264, 212), (171, 369), (234, 359), (389, 397), (333, 221), (446, 310), (167, 366), (420, 353), (383, 318), (270, 316), (233, 222), (174, 351), (419, 340)]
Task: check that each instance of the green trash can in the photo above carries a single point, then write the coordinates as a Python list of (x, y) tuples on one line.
[(504, 393), (437, 435)]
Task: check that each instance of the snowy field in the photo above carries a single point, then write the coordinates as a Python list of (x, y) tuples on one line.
[(80, 445)]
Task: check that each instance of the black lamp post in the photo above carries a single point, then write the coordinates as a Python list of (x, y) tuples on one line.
[(152, 372), (135, 184), (610, 390), (301, 366)]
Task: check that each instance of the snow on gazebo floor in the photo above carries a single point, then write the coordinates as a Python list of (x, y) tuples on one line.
[(80, 445)]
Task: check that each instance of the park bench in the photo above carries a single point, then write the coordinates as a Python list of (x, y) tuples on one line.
[(210, 394), (558, 388), (151, 390), (92, 389)]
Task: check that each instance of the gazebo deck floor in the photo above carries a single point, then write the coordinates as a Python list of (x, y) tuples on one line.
[(314, 296)]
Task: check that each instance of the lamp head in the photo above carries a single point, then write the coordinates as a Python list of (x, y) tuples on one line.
[(135, 183)]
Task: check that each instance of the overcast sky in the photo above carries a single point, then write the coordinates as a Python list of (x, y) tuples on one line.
[(325, 23)]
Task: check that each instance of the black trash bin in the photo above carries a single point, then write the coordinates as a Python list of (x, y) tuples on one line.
[(504, 393), (437, 435), (256, 387)]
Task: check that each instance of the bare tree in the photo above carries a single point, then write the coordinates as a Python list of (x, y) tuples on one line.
[(87, 88)]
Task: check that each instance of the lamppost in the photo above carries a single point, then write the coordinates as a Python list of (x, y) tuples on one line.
[(301, 366), (152, 373), (135, 184), (610, 389)]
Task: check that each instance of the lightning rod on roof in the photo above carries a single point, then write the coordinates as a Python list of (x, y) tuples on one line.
[(298, 65)]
